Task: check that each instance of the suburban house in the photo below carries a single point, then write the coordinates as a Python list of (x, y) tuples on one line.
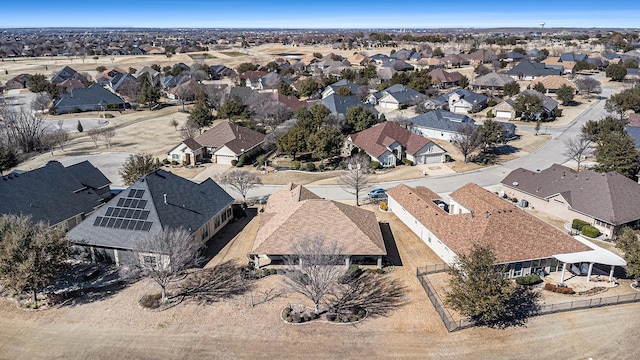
[(607, 201), (339, 105), (222, 143), (491, 81), (19, 82), (522, 243), (65, 74), (444, 79), (95, 97), (58, 195), (553, 82), (155, 202), (395, 97), (633, 128), (565, 67), (439, 124), (333, 88), (294, 213), (458, 101), (506, 109), (154, 76), (479, 56), (388, 143), (528, 70)]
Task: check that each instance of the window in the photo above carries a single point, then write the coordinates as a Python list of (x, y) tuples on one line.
[(175, 157), (149, 261), (205, 231), (217, 222), (517, 269)]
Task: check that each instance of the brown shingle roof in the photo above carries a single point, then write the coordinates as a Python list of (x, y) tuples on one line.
[(295, 212), (376, 139), (610, 197), (514, 234), (235, 137), (553, 82), (445, 76)]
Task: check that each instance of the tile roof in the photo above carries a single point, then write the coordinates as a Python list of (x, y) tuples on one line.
[(553, 82), (295, 212), (610, 197), (377, 138), (52, 193), (189, 205), (514, 234), (237, 138)]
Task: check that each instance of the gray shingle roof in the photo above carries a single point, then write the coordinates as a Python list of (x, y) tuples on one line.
[(469, 96), (610, 197), (340, 104), (441, 120), (51, 193), (529, 68), (95, 96), (189, 205)]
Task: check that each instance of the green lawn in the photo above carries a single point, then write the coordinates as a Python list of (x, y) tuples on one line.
[(233, 53), (202, 56)]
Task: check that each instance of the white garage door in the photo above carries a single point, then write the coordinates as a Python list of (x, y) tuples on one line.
[(221, 159), (503, 114)]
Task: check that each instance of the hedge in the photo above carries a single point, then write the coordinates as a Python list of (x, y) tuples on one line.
[(578, 224), (532, 279), (590, 231), (558, 289), (310, 166)]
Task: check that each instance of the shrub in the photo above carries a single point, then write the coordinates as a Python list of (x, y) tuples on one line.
[(321, 167), (166, 161), (383, 206), (251, 265), (490, 114), (310, 166), (76, 110), (491, 103), (557, 112), (407, 162), (295, 165), (447, 158), (286, 312), (514, 199), (590, 231), (341, 165), (375, 271), (242, 160), (234, 162), (79, 127), (107, 116), (151, 301), (351, 274), (173, 162), (532, 279), (558, 289), (375, 165), (578, 224)]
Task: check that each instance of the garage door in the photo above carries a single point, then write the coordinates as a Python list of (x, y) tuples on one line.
[(503, 114), (221, 159)]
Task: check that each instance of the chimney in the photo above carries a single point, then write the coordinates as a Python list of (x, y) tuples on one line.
[(471, 215), (165, 199)]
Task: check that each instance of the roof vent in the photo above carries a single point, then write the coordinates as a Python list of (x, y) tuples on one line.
[(165, 199), (515, 183)]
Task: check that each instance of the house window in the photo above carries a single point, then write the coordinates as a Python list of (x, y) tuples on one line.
[(224, 216), (205, 232), (517, 269), (175, 157), (217, 222), (149, 261)]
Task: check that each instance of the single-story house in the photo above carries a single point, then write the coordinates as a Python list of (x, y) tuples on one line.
[(294, 213), (333, 88), (157, 201), (93, 98), (65, 74), (396, 96), (459, 101), (491, 81), (339, 105), (439, 124), (58, 195), (522, 243), (553, 82), (528, 70), (506, 109), (388, 143), (607, 201), (222, 143), (444, 79)]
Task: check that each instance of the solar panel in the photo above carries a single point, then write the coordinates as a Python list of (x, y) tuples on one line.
[(136, 214), (132, 192), (97, 221), (139, 194), (139, 225), (109, 211), (120, 202), (125, 224), (104, 221), (146, 226), (134, 203), (131, 225), (142, 204), (129, 213), (111, 222), (145, 215), (118, 224), (127, 203)]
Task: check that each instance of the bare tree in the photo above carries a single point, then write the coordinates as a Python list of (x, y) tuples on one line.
[(588, 85), (271, 113), (189, 130), (199, 75), (241, 180), (174, 123), (468, 139), (314, 268), (578, 148), (356, 178), (61, 137), (107, 134), (165, 256), (94, 134), (378, 294), (40, 102), (25, 129), (216, 283)]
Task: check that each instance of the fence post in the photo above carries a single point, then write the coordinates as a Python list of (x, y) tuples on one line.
[(590, 300)]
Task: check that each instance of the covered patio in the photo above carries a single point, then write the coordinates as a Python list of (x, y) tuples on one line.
[(582, 262)]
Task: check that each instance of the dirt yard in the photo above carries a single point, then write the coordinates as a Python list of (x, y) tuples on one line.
[(233, 330)]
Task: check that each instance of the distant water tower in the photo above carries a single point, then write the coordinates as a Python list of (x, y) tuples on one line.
[(542, 25)]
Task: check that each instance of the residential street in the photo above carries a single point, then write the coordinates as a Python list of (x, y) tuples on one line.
[(546, 155)]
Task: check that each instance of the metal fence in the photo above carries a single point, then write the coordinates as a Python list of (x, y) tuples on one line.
[(453, 325)]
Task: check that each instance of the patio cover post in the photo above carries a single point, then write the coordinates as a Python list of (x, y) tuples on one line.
[(564, 268), (379, 262), (257, 259), (611, 273), (589, 272)]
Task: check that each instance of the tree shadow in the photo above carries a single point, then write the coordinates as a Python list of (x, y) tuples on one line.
[(226, 234), (393, 255), (85, 283), (223, 281), (378, 294)]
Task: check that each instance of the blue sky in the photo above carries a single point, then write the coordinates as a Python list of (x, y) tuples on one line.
[(318, 13)]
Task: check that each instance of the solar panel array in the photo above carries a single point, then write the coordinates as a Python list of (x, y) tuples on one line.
[(128, 214)]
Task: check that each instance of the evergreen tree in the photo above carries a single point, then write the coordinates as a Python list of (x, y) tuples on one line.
[(201, 114)]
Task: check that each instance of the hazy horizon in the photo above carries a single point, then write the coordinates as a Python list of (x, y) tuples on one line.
[(328, 14)]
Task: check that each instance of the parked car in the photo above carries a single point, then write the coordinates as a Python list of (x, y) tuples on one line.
[(377, 193)]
